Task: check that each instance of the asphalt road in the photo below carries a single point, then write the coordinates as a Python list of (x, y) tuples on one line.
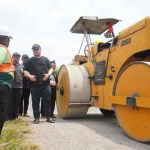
[(94, 132)]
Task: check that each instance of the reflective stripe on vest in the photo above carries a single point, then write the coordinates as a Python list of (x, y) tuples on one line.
[(7, 67)]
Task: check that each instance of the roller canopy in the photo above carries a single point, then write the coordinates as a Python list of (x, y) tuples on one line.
[(93, 25)]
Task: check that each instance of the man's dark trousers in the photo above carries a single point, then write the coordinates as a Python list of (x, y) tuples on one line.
[(3, 102), (37, 92), (42, 109), (53, 99), (25, 99), (15, 97)]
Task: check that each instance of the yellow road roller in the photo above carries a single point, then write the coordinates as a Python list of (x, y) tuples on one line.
[(113, 76)]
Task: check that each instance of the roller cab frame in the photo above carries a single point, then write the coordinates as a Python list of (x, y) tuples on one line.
[(116, 74)]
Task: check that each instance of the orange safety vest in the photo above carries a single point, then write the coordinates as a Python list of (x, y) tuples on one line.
[(7, 67)]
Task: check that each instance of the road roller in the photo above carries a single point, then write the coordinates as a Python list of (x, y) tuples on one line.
[(113, 76)]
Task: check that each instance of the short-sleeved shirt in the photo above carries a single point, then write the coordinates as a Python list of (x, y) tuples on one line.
[(18, 83), (38, 67), (25, 81), (5, 78)]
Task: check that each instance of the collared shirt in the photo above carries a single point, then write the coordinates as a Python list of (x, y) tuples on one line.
[(18, 83), (25, 82)]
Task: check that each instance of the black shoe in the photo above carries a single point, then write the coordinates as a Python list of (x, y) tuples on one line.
[(36, 121)]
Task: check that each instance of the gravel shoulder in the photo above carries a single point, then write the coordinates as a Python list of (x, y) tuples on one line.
[(94, 132)]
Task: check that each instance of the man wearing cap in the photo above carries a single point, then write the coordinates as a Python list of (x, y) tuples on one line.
[(6, 72), (38, 69), (26, 91), (16, 88)]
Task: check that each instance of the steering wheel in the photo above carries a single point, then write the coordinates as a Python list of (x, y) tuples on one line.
[(86, 50)]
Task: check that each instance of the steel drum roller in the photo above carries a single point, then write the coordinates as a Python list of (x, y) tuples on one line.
[(74, 94)]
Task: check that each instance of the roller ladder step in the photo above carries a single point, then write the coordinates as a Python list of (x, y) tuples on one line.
[(77, 105)]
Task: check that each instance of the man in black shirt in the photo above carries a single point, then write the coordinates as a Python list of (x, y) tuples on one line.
[(38, 69)]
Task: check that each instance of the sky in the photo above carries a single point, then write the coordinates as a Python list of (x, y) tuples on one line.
[(48, 23)]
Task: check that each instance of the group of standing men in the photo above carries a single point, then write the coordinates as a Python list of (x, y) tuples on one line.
[(35, 75), (19, 90)]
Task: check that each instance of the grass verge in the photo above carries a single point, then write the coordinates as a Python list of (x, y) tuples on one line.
[(14, 136)]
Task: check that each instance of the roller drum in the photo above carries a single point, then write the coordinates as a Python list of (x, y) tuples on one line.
[(73, 96), (134, 81)]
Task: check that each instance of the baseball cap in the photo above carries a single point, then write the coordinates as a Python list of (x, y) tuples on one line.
[(16, 54), (53, 62), (36, 46), (25, 56)]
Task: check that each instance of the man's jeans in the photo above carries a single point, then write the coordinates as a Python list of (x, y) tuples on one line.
[(43, 92)]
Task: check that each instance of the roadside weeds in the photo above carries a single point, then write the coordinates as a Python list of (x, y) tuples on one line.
[(14, 136)]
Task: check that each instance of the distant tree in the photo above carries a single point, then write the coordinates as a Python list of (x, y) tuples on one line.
[(57, 70), (72, 63)]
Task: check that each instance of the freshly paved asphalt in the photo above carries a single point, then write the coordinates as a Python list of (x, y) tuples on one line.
[(94, 132)]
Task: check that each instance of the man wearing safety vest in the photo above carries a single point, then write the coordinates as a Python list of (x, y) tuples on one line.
[(6, 72)]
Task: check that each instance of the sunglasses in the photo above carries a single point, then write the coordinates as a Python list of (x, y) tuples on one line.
[(35, 49)]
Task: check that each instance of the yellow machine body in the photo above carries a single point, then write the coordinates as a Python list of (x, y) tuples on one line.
[(137, 39), (125, 86)]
